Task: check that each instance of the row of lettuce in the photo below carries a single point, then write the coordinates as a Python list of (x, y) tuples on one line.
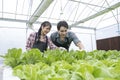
[(63, 65)]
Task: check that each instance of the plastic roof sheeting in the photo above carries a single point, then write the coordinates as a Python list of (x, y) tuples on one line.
[(72, 11)]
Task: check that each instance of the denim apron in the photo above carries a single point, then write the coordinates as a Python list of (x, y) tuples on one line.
[(42, 46), (66, 45)]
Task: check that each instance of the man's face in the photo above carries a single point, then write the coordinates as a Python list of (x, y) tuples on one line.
[(62, 31)]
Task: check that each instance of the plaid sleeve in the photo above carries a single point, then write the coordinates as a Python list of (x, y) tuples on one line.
[(51, 45), (30, 41)]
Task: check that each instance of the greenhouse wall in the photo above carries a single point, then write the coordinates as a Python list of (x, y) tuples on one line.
[(108, 32), (12, 35), (87, 37)]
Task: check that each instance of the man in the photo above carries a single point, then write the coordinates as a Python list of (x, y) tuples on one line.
[(63, 37)]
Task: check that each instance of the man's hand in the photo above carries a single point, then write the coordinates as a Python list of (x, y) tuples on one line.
[(62, 48), (80, 46)]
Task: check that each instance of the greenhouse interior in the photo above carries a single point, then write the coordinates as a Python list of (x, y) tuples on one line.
[(96, 23)]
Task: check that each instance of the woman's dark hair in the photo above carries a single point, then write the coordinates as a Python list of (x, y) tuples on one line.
[(62, 23), (44, 24)]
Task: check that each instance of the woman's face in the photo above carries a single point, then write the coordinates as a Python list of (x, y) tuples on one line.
[(62, 31), (45, 30)]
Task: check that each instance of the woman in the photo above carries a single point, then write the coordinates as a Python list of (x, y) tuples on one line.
[(39, 39)]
